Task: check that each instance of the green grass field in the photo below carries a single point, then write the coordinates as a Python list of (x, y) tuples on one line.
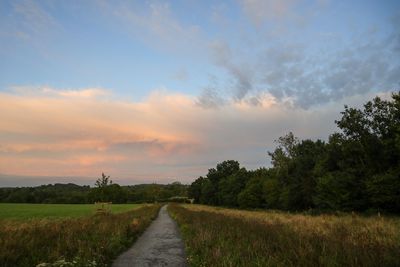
[(40, 211)]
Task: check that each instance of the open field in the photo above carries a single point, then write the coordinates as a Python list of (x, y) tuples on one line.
[(86, 241), (227, 237), (33, 211)]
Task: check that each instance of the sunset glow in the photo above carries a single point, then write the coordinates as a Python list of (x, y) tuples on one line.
[(154, 91)]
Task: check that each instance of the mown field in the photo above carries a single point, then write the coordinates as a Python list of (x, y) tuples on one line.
[(24, 211), (228, 237), (69, 235)]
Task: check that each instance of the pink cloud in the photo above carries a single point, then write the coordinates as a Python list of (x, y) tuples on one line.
[(164, 136)]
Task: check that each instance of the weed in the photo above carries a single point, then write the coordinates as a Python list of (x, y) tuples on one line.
[(228, 237), (98, 238)]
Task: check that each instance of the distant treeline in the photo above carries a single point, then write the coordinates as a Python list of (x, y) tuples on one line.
[(110, 192), (357, 169)]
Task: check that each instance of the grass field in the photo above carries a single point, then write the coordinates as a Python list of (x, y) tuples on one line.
[(82, 241), (33, 211), (228, 237)]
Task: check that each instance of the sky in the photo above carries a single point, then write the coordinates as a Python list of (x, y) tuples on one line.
[(161, 91)]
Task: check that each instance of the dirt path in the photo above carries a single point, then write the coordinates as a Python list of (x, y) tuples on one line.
[(159, 245)]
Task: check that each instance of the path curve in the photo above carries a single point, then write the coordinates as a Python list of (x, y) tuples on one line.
[(159, 245)]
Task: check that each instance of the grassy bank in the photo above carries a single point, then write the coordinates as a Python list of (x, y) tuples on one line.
[(227, 237), (23, 211), (87, 241)]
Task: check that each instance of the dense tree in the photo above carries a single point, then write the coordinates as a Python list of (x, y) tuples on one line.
[(230, 187), (72, 193), (208, 193), (252, 195), (272, 192), (357, 169), (195, 189), (211, 185), (334, 191), (57, 193), (384, 190)]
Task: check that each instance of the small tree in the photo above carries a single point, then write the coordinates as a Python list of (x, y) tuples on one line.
[(103, 181), (102, 190), (107, 191)]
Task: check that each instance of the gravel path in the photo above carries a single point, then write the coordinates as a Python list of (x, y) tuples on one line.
[(159, 245)]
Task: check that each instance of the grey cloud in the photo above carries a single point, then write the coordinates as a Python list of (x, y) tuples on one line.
[(254, 101), (395, 38), (290, 71), (304, 73), (241, 73), (210, 98), (393, 77)]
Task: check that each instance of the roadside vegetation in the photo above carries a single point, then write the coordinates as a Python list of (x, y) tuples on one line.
[(87, 241), (227, 237)]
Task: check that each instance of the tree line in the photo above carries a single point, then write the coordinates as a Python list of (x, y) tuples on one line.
[(104, 191), (357, 169)]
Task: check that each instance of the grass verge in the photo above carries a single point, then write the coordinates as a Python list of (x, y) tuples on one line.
[(227, 237), (88, 241)]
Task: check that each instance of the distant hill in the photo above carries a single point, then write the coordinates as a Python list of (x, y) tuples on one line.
[(60, 193)]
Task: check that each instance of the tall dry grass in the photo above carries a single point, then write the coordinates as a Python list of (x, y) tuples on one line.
[(95, 239), (227, 237)]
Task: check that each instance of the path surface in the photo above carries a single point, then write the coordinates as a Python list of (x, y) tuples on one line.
[(159, 245)]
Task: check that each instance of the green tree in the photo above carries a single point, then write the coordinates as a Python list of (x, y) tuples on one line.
[(231, 186), (107, 191), (369, 149), (208, 193), (357, 169), (104, 181), (214, 176), (252, 195), (307, 154), (272, 193), (384, 190), (335, 192), (195, 189)]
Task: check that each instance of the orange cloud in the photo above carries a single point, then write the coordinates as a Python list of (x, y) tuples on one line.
[(84, 132)]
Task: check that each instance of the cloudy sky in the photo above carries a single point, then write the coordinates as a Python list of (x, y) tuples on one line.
[(160, 91)]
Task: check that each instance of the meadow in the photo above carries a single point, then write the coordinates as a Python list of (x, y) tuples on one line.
[(24, 211), (71, 236), (228, 237)]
